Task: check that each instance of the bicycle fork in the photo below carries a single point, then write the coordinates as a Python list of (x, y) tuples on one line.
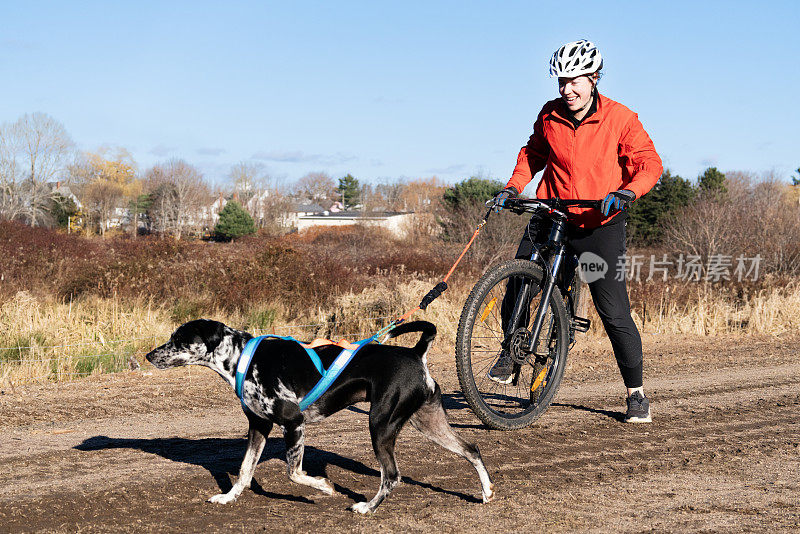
[(559, 251), (544, 303)]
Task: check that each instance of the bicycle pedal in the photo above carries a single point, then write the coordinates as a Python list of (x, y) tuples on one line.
[(580, 324)]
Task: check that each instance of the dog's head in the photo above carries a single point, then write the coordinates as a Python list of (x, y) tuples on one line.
[(193, 343)]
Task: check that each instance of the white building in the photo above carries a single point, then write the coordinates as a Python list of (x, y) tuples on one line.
[(396, 222)]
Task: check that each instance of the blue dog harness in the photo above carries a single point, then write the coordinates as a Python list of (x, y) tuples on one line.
[(328, 376)]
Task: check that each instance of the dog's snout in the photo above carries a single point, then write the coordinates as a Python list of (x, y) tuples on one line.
[(156, 354), (158, 357)]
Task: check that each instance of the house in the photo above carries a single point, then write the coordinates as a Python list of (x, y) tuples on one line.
[(58, 188), (305, 215), (305, 209), (258, 206), (394, 221), (212, 212)]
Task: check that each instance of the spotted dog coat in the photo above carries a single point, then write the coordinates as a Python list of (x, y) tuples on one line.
[(394, 380)]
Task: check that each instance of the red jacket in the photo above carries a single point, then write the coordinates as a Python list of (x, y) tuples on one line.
[(609, 150)]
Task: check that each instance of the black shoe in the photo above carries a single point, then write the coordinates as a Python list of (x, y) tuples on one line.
[(638, 409), (502, 371)]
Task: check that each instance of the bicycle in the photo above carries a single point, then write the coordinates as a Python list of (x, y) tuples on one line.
[(527, 307)]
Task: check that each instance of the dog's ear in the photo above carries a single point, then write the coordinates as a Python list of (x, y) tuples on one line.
[(216, 333)]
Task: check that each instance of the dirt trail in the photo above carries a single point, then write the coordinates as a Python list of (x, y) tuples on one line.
[(143, 451)]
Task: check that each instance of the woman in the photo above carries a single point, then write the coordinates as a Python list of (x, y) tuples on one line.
[(591, 147)]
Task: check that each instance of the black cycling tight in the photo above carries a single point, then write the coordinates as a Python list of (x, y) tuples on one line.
[(609, 293)]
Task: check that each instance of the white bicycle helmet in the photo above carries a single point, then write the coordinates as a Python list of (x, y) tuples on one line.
[(575, 59)]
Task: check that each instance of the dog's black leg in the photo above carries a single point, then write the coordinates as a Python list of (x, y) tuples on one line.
[(384, 426), (256, 439), (294, 435), (431, 420)]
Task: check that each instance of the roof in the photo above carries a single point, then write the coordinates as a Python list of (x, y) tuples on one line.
[(308, 208), (357, 214), (63, 190)]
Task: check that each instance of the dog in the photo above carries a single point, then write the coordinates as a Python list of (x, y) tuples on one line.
[(394, 380)]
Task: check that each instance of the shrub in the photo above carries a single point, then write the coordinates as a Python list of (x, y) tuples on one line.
[(471, 191), (261, 319), (186, 310), (61, 209)]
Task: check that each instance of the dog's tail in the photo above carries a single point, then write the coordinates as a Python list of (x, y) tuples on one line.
[(428, 334)]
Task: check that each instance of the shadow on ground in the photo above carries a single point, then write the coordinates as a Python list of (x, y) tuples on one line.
[(618, 416), (221, 457), (450, 401)]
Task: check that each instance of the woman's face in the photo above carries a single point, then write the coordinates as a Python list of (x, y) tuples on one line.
[(576, 93)]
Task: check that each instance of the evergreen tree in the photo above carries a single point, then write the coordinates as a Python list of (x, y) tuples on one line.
[(712, 182), (796, 179), (61, 209), (234, 221), (471, 191), (647, 215), (350, 191)]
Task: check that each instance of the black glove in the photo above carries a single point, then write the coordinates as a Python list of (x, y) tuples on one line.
[(617, 201), (501, 197)]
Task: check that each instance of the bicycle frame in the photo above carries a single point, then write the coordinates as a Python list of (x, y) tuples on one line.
[(557, 243)]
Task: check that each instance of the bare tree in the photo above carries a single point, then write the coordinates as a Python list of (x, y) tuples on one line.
[(371, 199), (43, 149), (261, 195), (702, 228), (390, 193), (11, 201), (179, 194), (316, 187), (248, 179), (421, 195), (755, 216), (418, 195), (161, 213), (105, 196), (499, 238), (250, 184)]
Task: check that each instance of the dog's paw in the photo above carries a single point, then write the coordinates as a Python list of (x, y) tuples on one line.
[(489, 496), (319, 483), (325, 486), (361, 508), (222, 498)]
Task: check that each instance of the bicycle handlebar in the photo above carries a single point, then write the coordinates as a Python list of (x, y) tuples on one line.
[(551, 204)]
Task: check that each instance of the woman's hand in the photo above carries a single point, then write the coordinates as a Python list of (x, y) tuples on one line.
[(501, 197), (617, 201)]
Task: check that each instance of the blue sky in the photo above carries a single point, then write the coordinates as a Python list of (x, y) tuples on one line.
[(389, 91)]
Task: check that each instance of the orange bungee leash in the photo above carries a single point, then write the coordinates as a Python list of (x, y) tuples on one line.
[(349, 349), (439, 288)]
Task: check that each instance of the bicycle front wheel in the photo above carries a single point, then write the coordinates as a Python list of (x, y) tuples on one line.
[(481, 340)]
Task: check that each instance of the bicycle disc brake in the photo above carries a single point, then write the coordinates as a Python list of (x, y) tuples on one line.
[(518, 346)]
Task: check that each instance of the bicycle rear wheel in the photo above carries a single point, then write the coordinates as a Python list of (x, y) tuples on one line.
[(480, 341)]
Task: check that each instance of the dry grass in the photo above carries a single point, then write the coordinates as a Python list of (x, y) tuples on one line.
[(58, 341), (704, 309), (50, 340), (96, 312)]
